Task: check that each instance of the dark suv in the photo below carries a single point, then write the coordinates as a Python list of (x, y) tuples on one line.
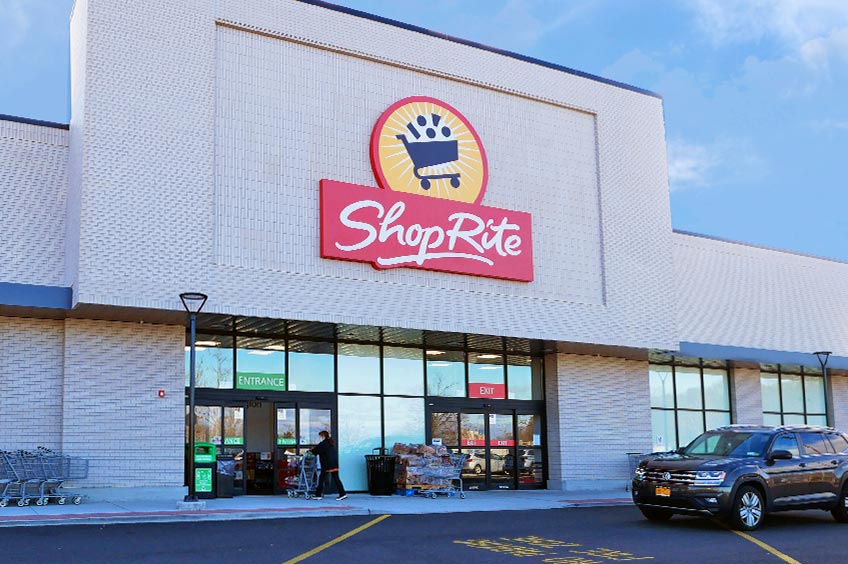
[(742, 472)]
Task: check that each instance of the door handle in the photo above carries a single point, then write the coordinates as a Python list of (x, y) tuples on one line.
[(834, 462), (803, 465)]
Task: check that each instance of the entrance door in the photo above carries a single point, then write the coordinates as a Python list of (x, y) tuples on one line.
[(504, 445), (297, 426)]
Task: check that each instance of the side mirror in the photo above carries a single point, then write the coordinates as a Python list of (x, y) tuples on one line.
[(780, 455)]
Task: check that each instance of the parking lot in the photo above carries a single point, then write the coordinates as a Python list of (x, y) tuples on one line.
[(563, 536)]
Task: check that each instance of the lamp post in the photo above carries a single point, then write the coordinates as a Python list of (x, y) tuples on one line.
[(828, 393), (193, 302)]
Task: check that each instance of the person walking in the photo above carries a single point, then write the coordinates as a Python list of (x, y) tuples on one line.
[(329, 458)]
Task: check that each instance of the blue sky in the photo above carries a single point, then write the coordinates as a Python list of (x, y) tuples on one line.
[(755, 92)]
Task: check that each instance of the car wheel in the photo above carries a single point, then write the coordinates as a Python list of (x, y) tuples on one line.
[(478, 469), (840, 512), (654, 514), (748, 509)]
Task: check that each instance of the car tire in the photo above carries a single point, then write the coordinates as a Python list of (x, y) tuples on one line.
[(654, 514), (748, 509), (840, 512)]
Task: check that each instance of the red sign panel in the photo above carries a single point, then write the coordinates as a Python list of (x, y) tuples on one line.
[(491, 391), (473, 442), (499, 443), (392, 229)]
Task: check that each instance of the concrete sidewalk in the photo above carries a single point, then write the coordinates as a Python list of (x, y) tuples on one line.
[(276, 507)]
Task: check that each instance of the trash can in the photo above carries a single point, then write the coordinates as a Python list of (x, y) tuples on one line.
[(204, 470), (381, 472), (224, 479)]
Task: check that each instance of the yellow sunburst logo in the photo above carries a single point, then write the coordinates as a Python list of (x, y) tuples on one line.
[(424, 146)]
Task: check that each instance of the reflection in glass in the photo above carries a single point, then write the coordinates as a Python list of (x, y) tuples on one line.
[(260, 364), (814, 392), (663, 430), (403, 371), (529, 430), (313, 421), (213, 362), (207, 424), (793, 419), (472, 429), (233, 425), (772, 419), (817, 420), (662, 386), (520, 377), (716, 389), (501, 464), (475, 465), (286, 429), (359, 368), (500, 430), (404, 420), (770, 386), (688, 383), (446, 373), (717, 419), (359, 434), (486, 376), (445, 426), (690, 425), (311, 366), (793, 395)]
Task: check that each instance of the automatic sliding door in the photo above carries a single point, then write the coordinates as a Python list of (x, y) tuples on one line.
[(297, 427)]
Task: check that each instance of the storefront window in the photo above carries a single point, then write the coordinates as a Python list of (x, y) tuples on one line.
[(403, 371), (311, 366), (792, 395), (486, 376), (529, 430), (207, 424), (686, 400), (260, 364), (445, 426), (472, 429), (213, 361), (446, 373), (359, 368), (233, 425), (287, 428), (312, 422), (403, 419), (520, 377), (359, 434)]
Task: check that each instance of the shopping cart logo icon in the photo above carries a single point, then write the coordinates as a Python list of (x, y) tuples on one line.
[(424, 146)]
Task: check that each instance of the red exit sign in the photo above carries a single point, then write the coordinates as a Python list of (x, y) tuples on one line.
[(491, 391)]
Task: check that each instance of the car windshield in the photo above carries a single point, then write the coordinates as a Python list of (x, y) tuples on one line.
[(728, 444)]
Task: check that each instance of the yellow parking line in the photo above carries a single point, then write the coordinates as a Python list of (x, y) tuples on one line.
[(337, 540), (762, 545)]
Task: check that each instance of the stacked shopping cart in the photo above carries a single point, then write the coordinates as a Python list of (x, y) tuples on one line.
[(39, 475)]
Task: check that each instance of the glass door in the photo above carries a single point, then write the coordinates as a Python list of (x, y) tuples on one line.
[(233, 445), (297, 428)]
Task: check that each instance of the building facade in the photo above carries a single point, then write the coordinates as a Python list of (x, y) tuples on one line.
[(218, 147)]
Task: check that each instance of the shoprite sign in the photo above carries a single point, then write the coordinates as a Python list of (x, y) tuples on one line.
[(433, 170)]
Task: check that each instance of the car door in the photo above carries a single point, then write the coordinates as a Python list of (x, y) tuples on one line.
[(786, 479), (822, 464)]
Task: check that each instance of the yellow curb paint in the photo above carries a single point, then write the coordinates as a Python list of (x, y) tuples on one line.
[(337, 540), (762, 545)]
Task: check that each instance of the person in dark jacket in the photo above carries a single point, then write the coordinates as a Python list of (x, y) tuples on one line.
[(329, 457)]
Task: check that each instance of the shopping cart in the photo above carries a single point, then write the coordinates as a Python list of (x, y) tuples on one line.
[(431, 153), (307, 477), (39, 476), (443, 476)]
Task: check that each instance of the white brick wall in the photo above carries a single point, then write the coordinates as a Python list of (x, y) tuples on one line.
[(747, 396), (744, 296), (603, 412), (112, 413), (33, 184), (151, 212), (839, 382), (31, 353)]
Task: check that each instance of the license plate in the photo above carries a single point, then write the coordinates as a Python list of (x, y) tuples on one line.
[(664, 492)]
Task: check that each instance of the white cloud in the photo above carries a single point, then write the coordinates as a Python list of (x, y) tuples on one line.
[(813, 31), (720, 162)]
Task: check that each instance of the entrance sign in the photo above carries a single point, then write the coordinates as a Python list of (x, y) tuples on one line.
[(432, 167), (260, 381)]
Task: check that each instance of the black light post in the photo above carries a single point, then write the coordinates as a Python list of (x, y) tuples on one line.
[(828, 393), (193, 302)]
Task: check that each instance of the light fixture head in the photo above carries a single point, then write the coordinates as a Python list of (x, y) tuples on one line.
[(822, 356), (193, 302)]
